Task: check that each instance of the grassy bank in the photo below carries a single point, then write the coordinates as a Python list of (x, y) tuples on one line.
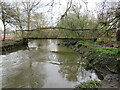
[(104, 60), (13, 44), (94, 54), (89, 84), (11, 37), (101, 50)]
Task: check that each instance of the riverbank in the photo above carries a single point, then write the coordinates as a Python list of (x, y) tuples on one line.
[(104, 60), (44, 64), (12, 44)]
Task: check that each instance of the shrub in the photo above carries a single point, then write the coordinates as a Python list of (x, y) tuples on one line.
[(89, 84)]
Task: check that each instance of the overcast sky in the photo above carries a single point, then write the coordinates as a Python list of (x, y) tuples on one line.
[(59, 9)]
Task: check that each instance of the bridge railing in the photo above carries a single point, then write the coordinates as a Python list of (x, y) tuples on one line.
[(61, 32)]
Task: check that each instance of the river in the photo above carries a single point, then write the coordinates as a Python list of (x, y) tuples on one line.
[(43, 64)]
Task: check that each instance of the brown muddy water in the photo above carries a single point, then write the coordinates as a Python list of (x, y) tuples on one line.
[(43, 64)]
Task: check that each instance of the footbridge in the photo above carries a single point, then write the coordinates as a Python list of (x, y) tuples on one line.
[(60, 33)]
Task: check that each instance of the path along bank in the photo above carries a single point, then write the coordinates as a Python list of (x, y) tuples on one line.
[(104, 60)]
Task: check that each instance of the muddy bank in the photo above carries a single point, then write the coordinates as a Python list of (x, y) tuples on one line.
[(106, 66), (13, 44)]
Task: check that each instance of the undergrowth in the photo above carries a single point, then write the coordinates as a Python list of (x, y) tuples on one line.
[(101, 50), (89, 84), (107, 50)]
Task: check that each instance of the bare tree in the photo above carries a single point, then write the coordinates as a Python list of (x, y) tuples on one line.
[(117, 21), (7, 14), (109, 16), (38, 20), (29, 7), (19, 17), (3, 18), (69, 5), (19, 20)]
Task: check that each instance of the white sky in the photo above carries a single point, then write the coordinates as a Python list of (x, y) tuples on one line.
[(59, 10)]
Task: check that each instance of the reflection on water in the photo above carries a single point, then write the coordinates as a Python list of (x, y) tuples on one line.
[(43, 65)]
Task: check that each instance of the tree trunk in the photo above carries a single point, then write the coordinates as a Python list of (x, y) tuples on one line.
[(28, 21), (118, 32), (118, 35), (4, 32), (21, 30)]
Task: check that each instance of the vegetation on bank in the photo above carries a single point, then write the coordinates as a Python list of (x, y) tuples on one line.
[(104, 60), (99, 49), (107, 50), (13, 44), (89, 84), (12, 36)]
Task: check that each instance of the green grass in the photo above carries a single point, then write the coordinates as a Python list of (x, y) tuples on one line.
[(101, 50), (89, 84), (13, 36), (107, 50), (84, 43)]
